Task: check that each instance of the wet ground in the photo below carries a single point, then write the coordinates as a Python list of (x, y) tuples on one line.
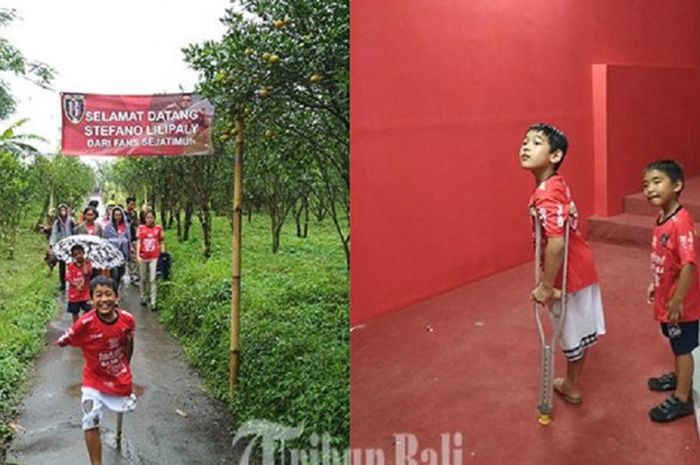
[(174, 422)]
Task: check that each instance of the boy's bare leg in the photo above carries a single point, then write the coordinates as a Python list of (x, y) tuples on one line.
[(75, 317), (684, 376), (94, 446), (573, 375), (570, 385)]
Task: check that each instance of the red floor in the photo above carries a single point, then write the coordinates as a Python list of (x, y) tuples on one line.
[(468, 362)]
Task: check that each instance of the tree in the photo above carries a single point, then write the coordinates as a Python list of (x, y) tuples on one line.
[(13, 196), (287, 58), (13, 61), (65, 179)]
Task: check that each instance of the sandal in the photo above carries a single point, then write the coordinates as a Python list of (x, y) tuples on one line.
[(559, 389), (666, 382)]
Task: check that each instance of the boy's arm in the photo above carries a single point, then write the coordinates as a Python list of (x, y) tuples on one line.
[(674, 307), (129, 348), (71, 336), (129, 343), (553, 260)]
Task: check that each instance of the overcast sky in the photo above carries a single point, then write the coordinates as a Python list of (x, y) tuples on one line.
[(107, 47)]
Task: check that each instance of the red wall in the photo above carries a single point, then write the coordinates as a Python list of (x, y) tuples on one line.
[(649, 113), (441, 93)]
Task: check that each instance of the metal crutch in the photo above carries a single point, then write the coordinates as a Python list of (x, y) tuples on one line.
[(547, 347), (120, 416)]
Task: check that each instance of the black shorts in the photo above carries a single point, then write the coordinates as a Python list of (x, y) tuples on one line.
[(686, 341), (75, 307)]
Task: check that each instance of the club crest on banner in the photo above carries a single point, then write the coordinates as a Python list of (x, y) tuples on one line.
[(74, 107)]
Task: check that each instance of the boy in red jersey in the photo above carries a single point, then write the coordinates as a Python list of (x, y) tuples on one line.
[(78, 274), (106, 337), (541, 153), (674, 289)]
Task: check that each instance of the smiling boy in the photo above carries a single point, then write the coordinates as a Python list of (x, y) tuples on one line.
[(106, 337), (674, 289)]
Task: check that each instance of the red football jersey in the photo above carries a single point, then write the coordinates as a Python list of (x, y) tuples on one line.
[(552, 201), (672, 247), (106, 365), (149, 241), (76, 277)]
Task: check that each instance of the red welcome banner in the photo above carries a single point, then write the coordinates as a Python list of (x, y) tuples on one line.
[(132, 125)]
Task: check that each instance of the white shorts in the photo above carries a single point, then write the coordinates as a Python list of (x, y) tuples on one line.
[(93, 401), (583, 323)]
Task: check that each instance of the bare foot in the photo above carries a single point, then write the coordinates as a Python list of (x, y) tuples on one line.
[(568, 394)]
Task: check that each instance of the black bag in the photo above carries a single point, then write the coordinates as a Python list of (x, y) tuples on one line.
[(163, 267)]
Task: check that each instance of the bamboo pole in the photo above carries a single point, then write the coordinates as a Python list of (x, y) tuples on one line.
[(236, 259)]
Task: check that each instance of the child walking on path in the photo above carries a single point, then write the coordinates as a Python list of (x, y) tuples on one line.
[(148, 248), (78, 274), (542, 152), (106, 337), (674, 289)]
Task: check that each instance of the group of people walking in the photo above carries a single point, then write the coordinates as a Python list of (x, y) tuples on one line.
[(105, 332), (134, 234)]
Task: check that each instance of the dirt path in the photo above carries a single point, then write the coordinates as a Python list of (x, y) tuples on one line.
[(174, 423)]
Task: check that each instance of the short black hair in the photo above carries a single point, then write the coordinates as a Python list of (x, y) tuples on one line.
[(100, 280), (93, 203), (77, 247), (556, 138), (670, 168), (130, 199), (90, 208)]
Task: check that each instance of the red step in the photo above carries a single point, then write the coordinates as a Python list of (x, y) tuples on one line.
[(634, 226), (623, 229)]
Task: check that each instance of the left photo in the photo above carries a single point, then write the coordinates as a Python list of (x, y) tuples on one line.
[(174, 232)]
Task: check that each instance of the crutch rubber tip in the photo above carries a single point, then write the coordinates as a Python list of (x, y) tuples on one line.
[(544, 420)]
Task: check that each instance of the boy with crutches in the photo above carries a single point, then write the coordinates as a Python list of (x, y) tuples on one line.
[(542, 152)]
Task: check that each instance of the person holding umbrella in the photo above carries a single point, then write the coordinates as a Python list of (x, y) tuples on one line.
[(118, 233), (62, 227)]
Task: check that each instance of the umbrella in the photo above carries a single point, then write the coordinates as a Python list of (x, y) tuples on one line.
[(100, 252)]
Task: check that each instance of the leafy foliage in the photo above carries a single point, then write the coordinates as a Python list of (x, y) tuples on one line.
[(13, 61), (294, 325), (26, 306)]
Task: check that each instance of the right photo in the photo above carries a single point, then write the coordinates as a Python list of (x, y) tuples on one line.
[(525, 199)]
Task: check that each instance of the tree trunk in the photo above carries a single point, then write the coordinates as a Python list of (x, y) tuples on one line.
[(297, 218), (163, 212), (189, 209), (306, 217), (44, 212), (205, 220), (178, 223), (275, 229)]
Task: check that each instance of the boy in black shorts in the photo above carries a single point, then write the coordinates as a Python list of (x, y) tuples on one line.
[(674, 289), (78, 279)]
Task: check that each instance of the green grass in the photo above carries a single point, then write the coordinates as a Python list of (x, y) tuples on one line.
[(294, 323), (27, 304)]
